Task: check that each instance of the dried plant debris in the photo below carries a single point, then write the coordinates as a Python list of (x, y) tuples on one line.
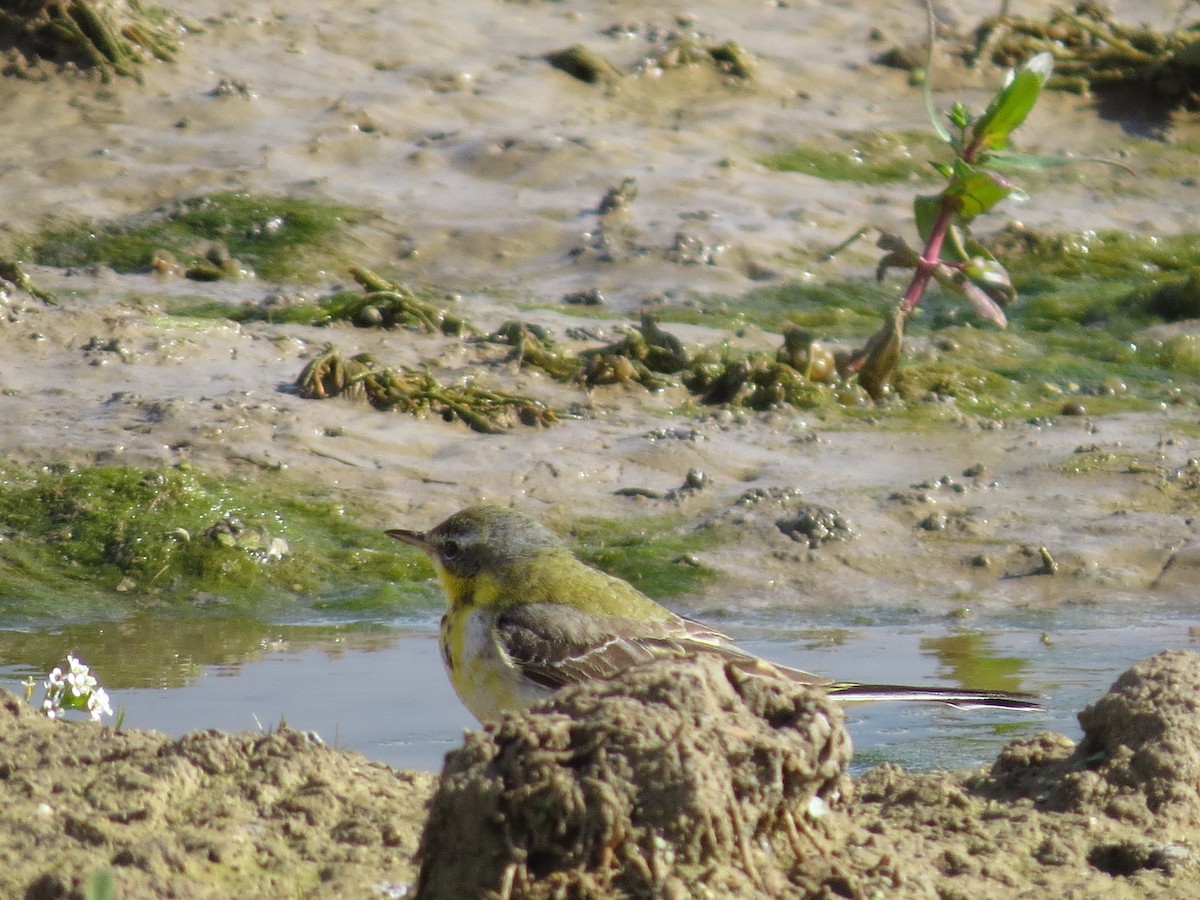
[(807, 356), (389, 304), (680, 51), (416, 391), (1093, 51), (756, 381), (643, 355), (584, 64), (803, 374), (14, 274), (110, 37), (815, 525), (533, 346)]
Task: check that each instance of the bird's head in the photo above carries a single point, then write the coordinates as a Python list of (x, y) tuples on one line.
[(483, 539)]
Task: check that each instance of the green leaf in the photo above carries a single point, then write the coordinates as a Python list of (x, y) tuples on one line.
[(1028, 162), (956, 248), (959, 116), (977, 192), (925, 211), (1007, 160), (1012, 103), (983, 302)]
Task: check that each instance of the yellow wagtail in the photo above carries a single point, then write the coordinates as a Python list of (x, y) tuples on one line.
[(526, 618)]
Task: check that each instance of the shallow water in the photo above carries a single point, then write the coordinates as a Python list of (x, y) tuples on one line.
[(380, 690)]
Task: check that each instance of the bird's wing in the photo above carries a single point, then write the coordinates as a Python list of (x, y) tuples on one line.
[(555, 645)]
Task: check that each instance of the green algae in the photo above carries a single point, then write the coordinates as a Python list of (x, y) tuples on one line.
[(1045, 261), (871, 157), (1095, 459), (105, 542), (1083, 341), (753, 380), (532, 346), (390, 304), (380, 304), (1088, 325), (654, 553), (837, 308), (13, 272), (278, 238)]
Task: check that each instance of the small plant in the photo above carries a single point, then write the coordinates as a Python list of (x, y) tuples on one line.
[(77, 689), (950, 255)]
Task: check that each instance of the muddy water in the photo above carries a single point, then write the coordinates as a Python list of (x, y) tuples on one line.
[(487, 167)]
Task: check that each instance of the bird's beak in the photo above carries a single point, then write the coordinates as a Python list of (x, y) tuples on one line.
[(415, 538)]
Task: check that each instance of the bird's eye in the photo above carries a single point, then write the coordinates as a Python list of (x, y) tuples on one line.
[(450, 549)]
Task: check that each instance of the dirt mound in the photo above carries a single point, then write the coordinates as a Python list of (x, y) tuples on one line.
[(632, 788), (1143, 740), (208, 815), (1139, 759), (675, 781)]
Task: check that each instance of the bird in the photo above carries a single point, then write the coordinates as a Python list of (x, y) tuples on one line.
[(526, 617)]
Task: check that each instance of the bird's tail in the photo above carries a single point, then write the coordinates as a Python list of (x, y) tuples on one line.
[(959, 699)]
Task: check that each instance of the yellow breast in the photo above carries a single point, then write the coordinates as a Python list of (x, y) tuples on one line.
[(483, 676)]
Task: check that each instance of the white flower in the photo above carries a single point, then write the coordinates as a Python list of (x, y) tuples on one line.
[(98, 704), (78, 689), (81, 680)]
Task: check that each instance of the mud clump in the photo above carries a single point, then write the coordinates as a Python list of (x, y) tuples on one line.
[(626, 788), (208, 815), (1146, 732), (631, 788), (1139, 759)]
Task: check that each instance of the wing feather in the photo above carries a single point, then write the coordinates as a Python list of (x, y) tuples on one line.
[(554, 645)]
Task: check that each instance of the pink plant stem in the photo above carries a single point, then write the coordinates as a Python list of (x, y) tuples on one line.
[(930, 258)]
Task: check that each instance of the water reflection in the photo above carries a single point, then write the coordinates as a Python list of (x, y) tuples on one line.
[(969, 659), (379, 687), (157, 652)]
